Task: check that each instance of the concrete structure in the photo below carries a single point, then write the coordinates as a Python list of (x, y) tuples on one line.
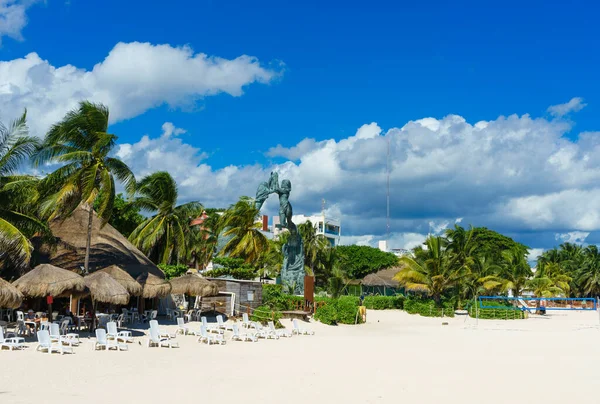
[(235, 296), (383, 246), (326, 226)]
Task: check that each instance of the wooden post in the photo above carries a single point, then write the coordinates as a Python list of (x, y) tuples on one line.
[(309, 292)]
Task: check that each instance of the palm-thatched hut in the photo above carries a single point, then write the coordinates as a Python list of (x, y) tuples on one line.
[(108, 247), (153, 286), (194, 285), (10, 297), (103, 288), (382, 282), (124, 279)]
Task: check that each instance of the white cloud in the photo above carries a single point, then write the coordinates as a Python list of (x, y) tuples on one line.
[(534, 253), (293, 153), (13, 17), (575, 237), (132, 79), (575, 104)]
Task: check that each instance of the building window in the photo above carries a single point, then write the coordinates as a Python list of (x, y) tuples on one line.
[(250, 295)]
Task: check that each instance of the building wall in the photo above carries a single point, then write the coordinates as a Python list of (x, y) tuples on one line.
[(241, 290)]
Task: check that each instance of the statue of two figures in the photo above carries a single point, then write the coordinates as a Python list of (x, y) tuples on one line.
[(292, 270)]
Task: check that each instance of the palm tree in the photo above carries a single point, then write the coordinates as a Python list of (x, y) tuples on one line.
[(484, 275), (314, 245), (515, 271), (17, 223), (163, 236), (82, 144), (240, 223), (543, 287), (430, 271), (589, 274)]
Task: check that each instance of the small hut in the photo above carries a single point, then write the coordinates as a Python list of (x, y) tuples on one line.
[(153, 286), (382, 282), (193, 285), (124, 279), (10, 297), (104, 289)]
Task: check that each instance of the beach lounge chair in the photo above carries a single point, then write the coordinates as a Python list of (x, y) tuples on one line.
[(45, 344), (223, 325), (103, 342), (246, 321), (112, 333), (300, 331), (155, 340), (242, 337), (264, 332), (181, 328), (214, 328), (281, 332), (65, 327), (204, 336), (11, 343), (161, 333)]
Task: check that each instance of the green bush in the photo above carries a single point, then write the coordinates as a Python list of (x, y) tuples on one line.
[(384, 302), (428, 308), (274, 297), (327, 314), (237, 273), (264, 314), (173, 271), (342, 310)]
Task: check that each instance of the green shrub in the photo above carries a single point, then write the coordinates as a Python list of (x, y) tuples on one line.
[(264, 314), (428, 308), (274, 297), (236, 273), (384, 302), (173, 271), (327, 314)]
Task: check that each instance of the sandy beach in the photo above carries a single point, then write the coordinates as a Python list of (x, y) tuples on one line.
[(394, 357)]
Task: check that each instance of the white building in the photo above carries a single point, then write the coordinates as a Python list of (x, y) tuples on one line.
[(329, 227)]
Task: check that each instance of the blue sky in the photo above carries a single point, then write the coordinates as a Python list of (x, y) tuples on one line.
[(322, 71)]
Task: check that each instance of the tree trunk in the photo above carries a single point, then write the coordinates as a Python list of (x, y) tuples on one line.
[(89, 240)]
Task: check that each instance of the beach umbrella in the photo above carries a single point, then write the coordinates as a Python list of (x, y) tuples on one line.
[(193, 285), (46, 280), (10, 297), (103, 288), (153, 286), (126, 280)]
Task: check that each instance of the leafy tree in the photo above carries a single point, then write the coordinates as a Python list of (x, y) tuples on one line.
[(246, 240), (314, 245), (173, 271), (359, 261), (515, 271), (589, 274), (163, 237), (431, 271), (202, 239), (17, 221), (234, 267), (82, 144), (491, 244)]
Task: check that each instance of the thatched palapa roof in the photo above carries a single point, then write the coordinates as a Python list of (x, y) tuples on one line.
[(10, 297), (383, 277), (194, 285), (124, 279), (153, 286), (108, 246), (48, 280), (103, 288)]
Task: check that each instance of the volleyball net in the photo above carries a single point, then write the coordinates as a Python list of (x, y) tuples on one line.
[(536, 303)]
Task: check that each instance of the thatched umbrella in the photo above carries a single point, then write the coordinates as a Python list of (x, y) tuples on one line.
[(153, 286), (194, 285), (48, 280), (10, 297), (103, 288), (126, 280)]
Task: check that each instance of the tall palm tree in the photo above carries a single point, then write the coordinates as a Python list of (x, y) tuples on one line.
[(240, 224), (82, 144), (430, 271), (589, 274), (314, 245), (163, 236), (515, 271), (17, 223)]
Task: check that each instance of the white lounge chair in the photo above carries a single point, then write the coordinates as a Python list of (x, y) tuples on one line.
[(155, 340), (242, 337), (264, 332), (161, 333), (223, 325), (181, 328), (103, 342), (204, 336), (300, 331), (112, 333), (45, 344), (65, 327), (214, 328), (11, 343), (281, 332)]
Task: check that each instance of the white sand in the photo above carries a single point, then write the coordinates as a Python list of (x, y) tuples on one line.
[(393, 358)]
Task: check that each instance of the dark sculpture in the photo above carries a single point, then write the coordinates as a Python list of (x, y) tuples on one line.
[(292, 271)]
